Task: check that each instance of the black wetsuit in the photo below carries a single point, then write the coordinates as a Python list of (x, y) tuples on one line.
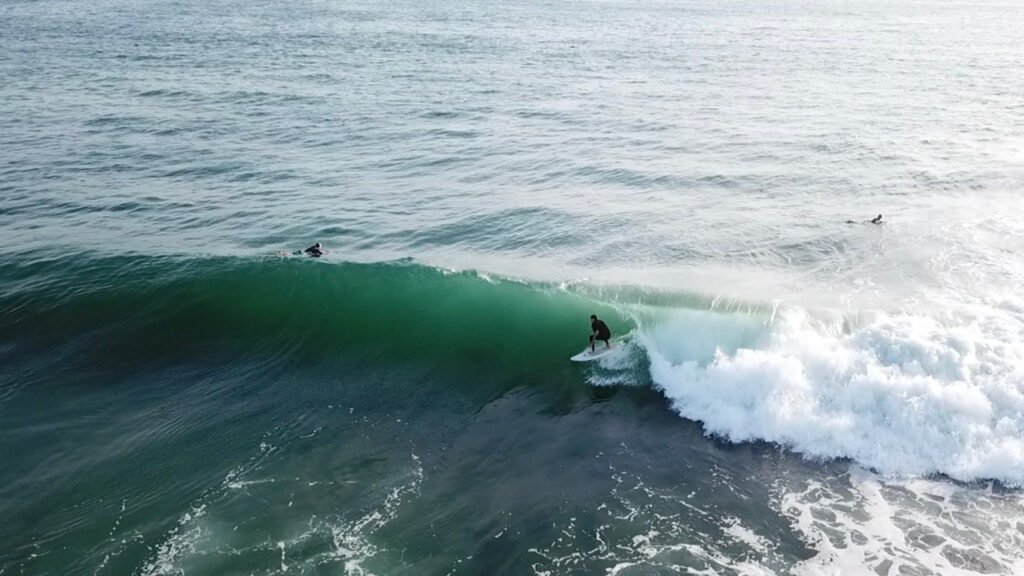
[(314, 251), (603, 333)]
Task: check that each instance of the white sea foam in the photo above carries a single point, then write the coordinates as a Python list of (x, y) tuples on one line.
[(181, 542), (856, 523), (862, 524), (904, 394), (642, 529), (739, 532), (351, 541), (203, 536)]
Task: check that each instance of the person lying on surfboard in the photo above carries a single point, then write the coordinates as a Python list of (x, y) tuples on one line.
[(316, 250), (599, 331), (877, 221)]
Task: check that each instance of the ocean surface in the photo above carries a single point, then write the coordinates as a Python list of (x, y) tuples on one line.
[(182, 394)]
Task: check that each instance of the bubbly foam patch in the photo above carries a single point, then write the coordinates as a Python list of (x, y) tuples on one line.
[(642, 529), (855, 524), (206, 536), (182, 541), (861, 524), (904, 395)]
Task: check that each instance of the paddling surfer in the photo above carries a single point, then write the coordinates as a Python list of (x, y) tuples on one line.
[(599, 331), (315, 251), (877, 221)]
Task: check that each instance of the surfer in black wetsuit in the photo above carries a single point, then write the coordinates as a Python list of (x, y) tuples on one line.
[(316, 250), (877, 221), (599, 331)]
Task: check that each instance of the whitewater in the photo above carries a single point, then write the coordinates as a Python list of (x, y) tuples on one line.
[(902, 395), (902, 354)]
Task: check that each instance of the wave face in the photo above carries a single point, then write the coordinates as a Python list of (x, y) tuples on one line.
[(903, 394), (162, 306)]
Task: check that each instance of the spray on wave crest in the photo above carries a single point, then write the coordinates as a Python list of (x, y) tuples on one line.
[(902, 394)]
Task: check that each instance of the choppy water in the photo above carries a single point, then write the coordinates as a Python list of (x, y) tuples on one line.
[(792, 394)]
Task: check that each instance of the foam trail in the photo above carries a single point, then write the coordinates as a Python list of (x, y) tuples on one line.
[(904, 394), (860, 523)]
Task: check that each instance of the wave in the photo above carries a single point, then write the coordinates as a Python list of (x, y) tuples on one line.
[(905, 394), (139, 308)]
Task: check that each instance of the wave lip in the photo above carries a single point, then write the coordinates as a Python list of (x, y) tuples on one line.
[(905, 395)]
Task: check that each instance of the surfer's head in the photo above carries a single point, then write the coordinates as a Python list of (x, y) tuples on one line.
[(593, 316)]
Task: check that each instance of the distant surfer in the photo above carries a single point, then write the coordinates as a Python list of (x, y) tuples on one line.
[(316, 250), (877, 221), (599, 331)]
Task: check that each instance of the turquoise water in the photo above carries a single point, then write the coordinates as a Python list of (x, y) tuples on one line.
[(790, 394)]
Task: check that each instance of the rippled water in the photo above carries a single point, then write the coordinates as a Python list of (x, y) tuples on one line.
[(587, 134), (794, 394)]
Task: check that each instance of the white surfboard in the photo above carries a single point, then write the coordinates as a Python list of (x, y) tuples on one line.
[(587, 355)]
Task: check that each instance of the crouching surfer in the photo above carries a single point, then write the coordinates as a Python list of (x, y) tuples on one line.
[(599, 331)]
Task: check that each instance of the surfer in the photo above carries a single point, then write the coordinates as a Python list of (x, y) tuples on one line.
[(599, 331), (316, 250), (877, 221)]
